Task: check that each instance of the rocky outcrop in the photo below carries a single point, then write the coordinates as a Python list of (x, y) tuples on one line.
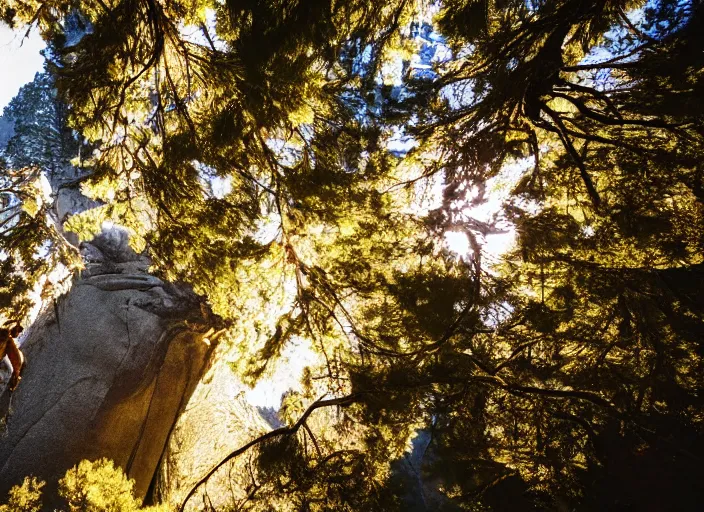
[(121, 367), (109, 369)]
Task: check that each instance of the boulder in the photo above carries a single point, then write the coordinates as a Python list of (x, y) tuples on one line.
[(110, 366)]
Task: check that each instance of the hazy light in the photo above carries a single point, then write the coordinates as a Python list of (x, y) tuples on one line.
[(221, 186), (458, 243), (19, 61), (286, 376), (497, 244)]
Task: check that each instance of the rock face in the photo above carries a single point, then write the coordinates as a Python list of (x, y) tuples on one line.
[(109, 369), (121, 368)]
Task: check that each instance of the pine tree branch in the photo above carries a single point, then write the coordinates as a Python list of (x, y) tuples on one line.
[(579, 162), (604, 119), (283, 431)]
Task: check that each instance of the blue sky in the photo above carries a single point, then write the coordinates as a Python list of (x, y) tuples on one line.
[(19, 61)]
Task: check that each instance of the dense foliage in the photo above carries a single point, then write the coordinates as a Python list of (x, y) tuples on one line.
[(250, 148), (87, 487)]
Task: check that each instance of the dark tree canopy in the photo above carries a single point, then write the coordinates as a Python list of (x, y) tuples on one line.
[(248, 146)]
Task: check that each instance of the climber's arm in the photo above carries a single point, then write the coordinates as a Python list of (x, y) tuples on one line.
[(17, 360), (9, 348)]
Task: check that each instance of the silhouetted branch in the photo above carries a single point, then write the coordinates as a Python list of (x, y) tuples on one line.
[(283, 431)]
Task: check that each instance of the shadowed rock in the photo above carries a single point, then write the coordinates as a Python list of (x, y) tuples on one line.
[(108, 371), (120, 367)]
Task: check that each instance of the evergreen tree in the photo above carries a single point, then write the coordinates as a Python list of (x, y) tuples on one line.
[(42, 138), (37, 161), (253, 161)]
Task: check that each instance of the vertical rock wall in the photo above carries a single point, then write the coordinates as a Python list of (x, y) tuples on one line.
[(109, 368)]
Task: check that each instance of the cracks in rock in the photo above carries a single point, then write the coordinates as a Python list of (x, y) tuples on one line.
[(56, 314), (138, 443), (126, 320), (117, 282), (24, 434)]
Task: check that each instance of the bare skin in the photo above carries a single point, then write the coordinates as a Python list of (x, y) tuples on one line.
[(9, 348)]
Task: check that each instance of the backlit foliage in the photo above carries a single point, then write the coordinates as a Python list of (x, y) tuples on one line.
[(249, 148), (87, 487), (25, 497)]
